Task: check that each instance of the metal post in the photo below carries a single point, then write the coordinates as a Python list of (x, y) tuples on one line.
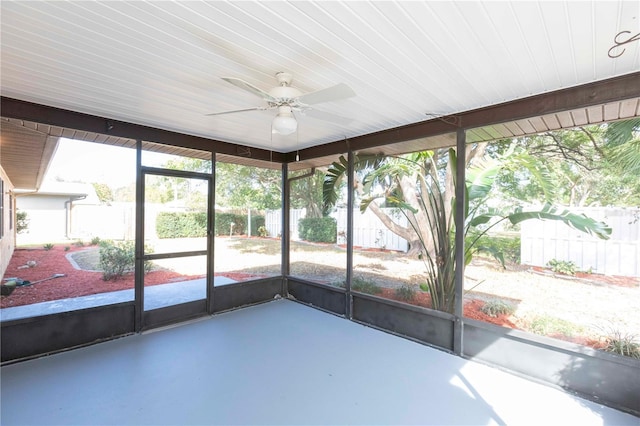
[(211, 208), (459, 239), (285, 244), (350, 189), (139, 263)]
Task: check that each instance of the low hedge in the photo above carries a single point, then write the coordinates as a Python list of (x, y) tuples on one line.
[(318, 229), (223, 223), (194, 224), (181, 224)]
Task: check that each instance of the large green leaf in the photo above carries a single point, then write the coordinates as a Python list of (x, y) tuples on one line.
[(620, 132), (627, 156), (574, 220), (337, 172), (480, 179), (482, 219), (494, 252)]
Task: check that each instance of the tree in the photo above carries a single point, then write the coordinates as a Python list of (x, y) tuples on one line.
[(594, 165), (261, 188), (104, 193), (381, 177), (164, 189), (306, 192), (240, 186)]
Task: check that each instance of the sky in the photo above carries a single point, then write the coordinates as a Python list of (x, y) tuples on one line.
[(80, 161)]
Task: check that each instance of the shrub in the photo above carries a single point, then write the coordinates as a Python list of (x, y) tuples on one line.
[(406, 292), (318, 229), (495, 307), (95, 241), (223, 221), (622, 344), (47, 246), (257, 222), (22, 222), (362, 285), (508, 246), (262, 231), (67, 248), (565, 267), (118, 258), (546, 326), (181, 224), (78, 243), (194, 224)]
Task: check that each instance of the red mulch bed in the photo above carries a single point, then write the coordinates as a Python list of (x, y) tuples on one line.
[(75, 282), (472, 308), (82, 283)]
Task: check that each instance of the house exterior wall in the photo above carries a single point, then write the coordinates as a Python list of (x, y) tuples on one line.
[(47, 217), (8, 239)]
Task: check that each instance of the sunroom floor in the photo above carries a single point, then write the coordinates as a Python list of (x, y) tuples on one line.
[(279, 363)]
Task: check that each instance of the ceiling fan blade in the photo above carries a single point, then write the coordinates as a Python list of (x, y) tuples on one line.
[(249, 88), (333, 93), (327, 116), (239, 110)]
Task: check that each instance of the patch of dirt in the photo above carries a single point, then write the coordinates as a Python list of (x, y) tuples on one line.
[(596, 279)]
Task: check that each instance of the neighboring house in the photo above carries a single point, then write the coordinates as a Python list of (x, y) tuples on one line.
[(50, 210)]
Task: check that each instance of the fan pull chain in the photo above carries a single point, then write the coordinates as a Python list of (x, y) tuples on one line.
[(271, 144), (298, 143)]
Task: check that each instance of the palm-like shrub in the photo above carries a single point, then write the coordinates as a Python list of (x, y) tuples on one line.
[(415, 185)]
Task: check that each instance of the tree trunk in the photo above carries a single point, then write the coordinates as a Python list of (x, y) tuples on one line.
[(405, 232)]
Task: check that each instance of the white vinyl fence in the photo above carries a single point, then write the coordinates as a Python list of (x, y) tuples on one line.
[(368, 230), (542, 241), (114, 222), (273, 222)]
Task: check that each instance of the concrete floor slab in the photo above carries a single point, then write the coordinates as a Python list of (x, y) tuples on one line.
[(279, 363)]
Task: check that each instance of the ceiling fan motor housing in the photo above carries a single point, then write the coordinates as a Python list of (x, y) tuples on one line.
[(286, 94)]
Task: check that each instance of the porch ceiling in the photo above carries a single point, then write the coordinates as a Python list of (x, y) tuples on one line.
[(159, 64)]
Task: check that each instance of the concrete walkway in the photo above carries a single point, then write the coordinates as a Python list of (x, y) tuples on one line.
[(157, 296)]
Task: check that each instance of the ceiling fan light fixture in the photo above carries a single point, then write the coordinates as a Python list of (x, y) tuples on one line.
[(284, 123)]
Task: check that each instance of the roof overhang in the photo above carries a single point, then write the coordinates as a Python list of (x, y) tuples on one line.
[(25, 154)]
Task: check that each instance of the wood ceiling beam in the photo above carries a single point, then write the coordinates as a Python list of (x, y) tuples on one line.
[(587, 95), (23, 110)]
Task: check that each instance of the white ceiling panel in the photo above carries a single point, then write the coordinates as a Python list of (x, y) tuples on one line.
[(160, 64)]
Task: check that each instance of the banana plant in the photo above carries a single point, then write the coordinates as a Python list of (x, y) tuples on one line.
[(427, 201)]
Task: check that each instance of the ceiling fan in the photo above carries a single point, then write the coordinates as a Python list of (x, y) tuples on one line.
[(287, 99)]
